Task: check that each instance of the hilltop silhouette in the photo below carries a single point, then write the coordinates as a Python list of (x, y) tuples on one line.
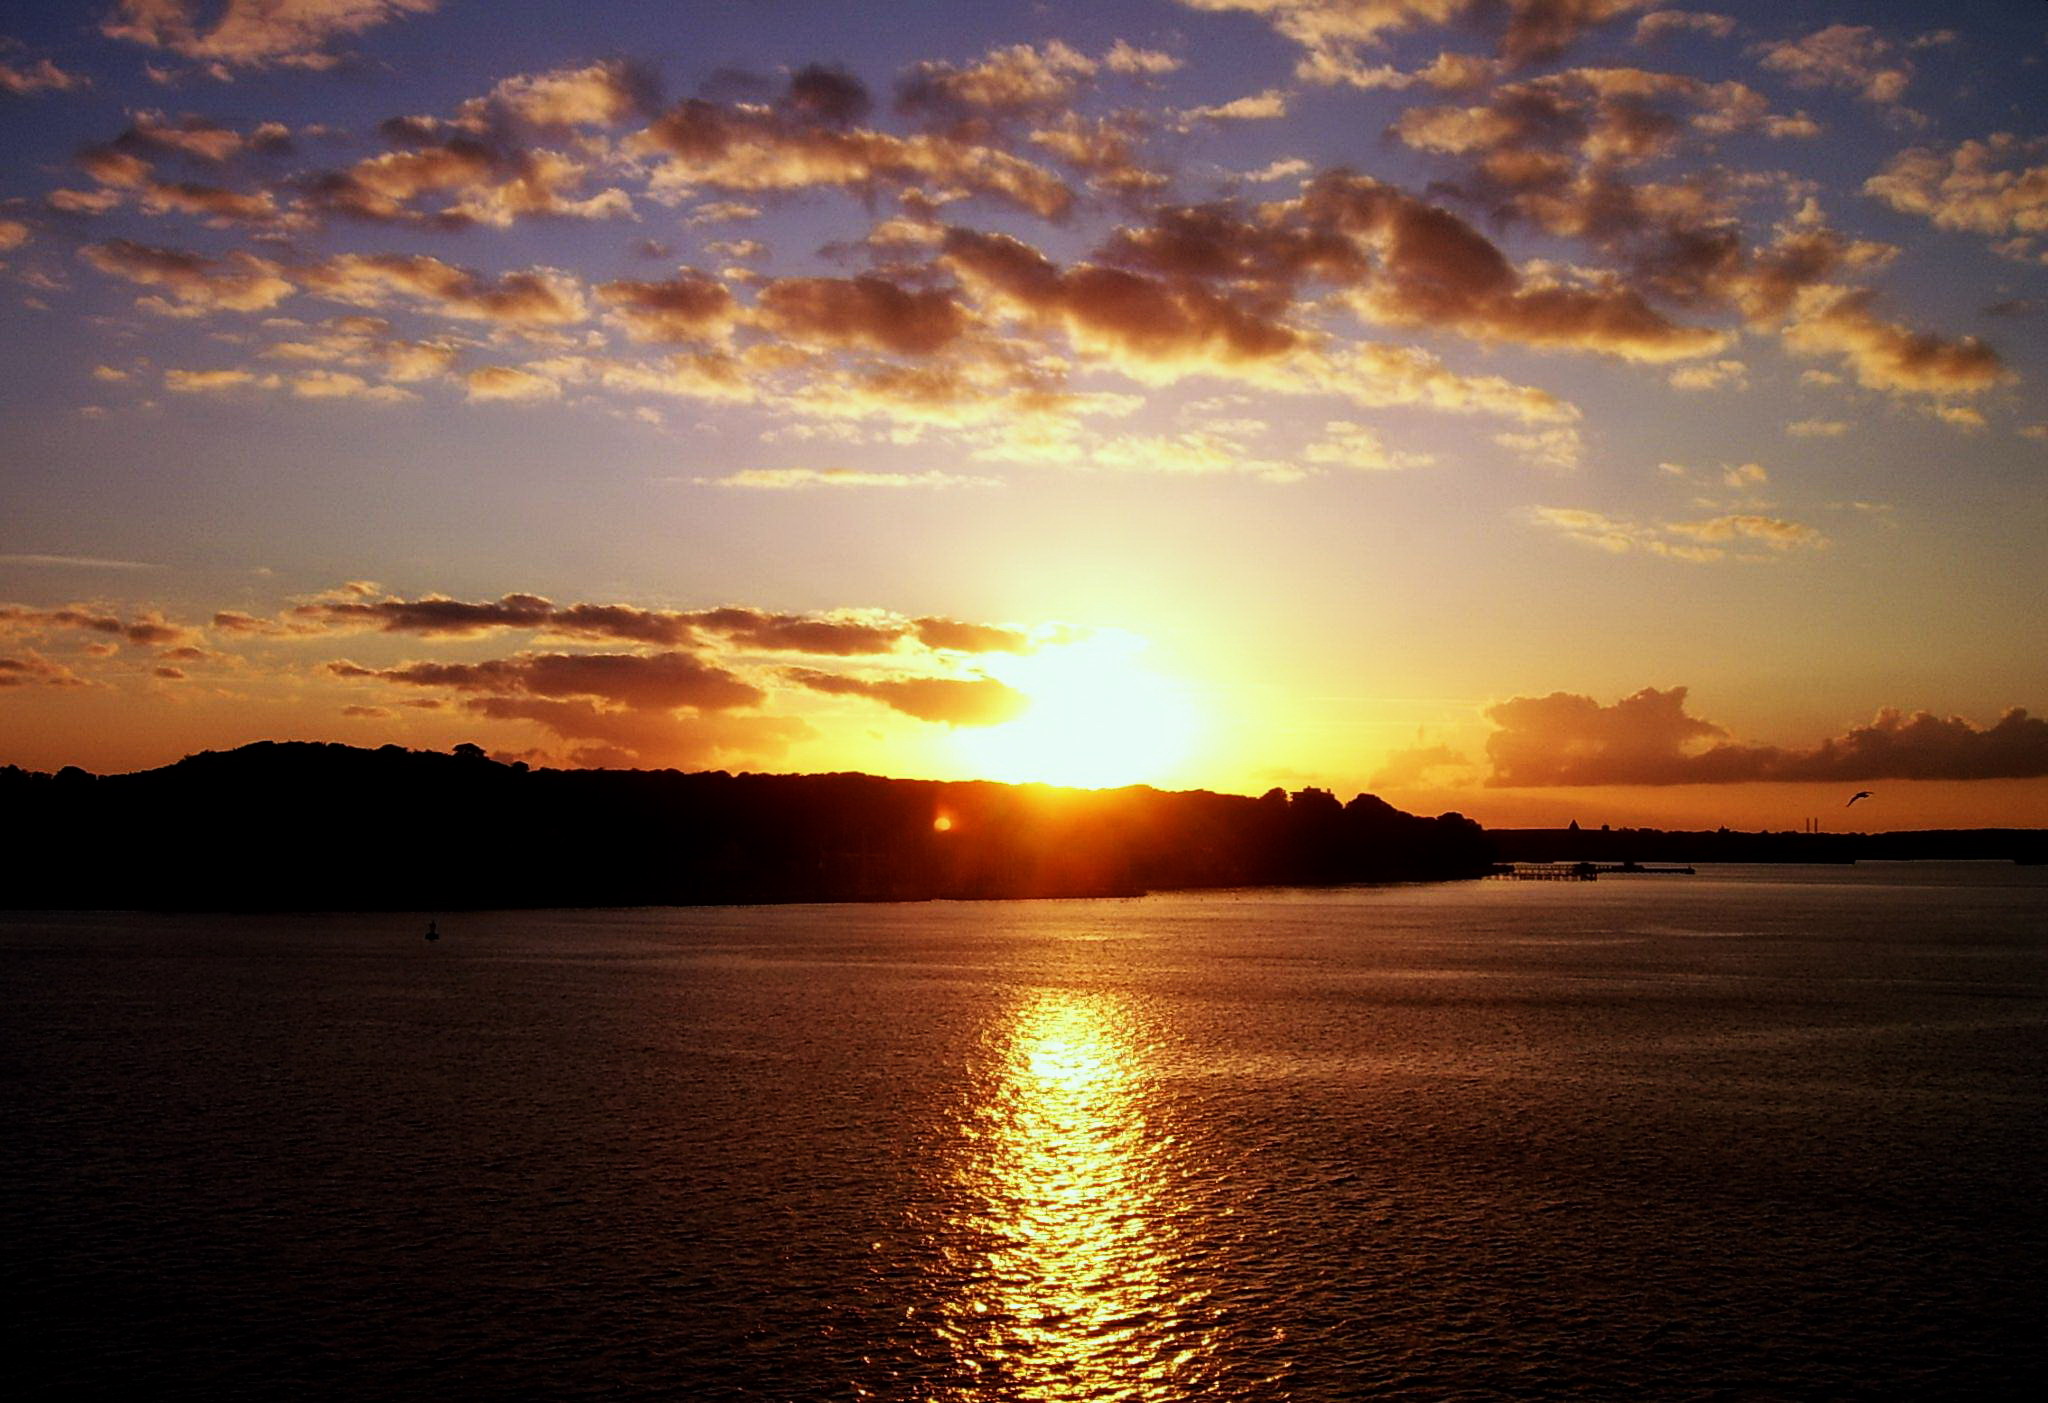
[(303, 825)]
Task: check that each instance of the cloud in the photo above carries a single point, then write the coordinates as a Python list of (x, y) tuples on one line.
[(820, 93), (979, 701), (481, 176), (1557, 449), (1348, 445), (1714, 375), (1435, 270), (850, 633), (1113, 312), (198, 285), (1817, 428), (1649, 739), (1850, 57), (692, 306), (1399, 261), (1258, 107), (365, 342), (32, 669), (636, 681), (149, 629), (1127, 59), (1407, 769), (1105, 148), (250, 33), (798, 479), (1332, 31), (1886, 356), (532, 297), (77, 562), (1699, 541), (598, 95), (954, 635), (1015, 79), (509, 384), (867, 312), (1659, 25), (42, 76), (1980, 186), (748, 149), (214, 382), (649, 738)]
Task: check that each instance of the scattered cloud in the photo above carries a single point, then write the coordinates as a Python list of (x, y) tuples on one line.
[(1850, 57), (254, 33), (1700, 541), (1885, 355), (800, 479), (1984, 186), (42, 76)]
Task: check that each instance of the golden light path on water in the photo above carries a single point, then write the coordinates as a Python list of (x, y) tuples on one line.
[(1066, 1184)]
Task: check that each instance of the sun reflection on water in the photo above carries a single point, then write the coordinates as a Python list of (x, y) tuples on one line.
[(1079, 1291)]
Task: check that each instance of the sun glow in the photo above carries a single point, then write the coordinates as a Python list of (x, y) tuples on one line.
[(1097, 719)]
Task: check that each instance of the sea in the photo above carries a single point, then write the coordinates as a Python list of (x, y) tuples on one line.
[(1758, 1133)]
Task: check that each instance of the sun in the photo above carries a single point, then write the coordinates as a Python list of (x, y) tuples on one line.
[(1097, 719)]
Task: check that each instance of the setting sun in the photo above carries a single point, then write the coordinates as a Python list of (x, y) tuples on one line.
[(1097, 719)]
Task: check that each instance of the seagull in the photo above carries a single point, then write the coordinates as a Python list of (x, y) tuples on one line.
[(1859, 794)]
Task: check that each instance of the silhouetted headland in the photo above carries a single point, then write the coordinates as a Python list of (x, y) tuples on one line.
[(306, 826)]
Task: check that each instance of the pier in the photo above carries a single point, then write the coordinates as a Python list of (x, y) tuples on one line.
[(1579, 871)]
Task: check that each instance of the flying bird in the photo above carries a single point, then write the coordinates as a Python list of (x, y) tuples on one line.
[(1859, 794)]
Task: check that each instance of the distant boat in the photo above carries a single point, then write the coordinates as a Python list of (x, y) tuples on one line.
[(432, 933)]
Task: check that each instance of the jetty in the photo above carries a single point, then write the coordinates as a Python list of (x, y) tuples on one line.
[(1578, 871)]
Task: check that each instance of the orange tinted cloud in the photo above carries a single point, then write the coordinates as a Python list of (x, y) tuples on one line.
[(537, 297), (1886, 355), (953, 701), (698, 143), (644, 681), (197, 284), (1649, 738), (869, 311), (254, 32), (692, 306)]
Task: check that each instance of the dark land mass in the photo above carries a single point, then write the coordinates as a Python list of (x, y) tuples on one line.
[(305, 826), (1647, 845)]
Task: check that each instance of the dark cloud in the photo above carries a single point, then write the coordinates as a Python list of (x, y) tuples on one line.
[(363, 608), (692, 306), (830, 95), (149, 629), (32, 669), (978, 701), (197, 284), (1888, 356), (635, 681), (955, 636), (869, 312), (1649, 739), (1114, 310), (648, 738), (532, 297), (746, 149)]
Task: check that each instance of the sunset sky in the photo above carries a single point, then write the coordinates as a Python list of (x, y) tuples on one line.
[(1544, 409)]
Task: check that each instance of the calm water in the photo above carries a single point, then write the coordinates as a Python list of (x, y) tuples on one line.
[(1754, 1134)]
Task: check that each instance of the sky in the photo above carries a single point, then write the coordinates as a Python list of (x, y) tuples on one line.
[(1546, 410)]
